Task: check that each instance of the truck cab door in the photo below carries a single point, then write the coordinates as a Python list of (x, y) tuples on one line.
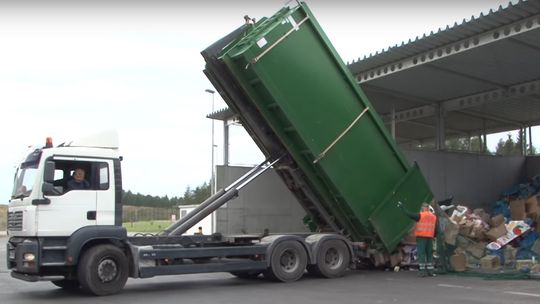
[(67, 210)]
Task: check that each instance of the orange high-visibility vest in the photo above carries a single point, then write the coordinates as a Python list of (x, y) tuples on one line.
[(425, 227)]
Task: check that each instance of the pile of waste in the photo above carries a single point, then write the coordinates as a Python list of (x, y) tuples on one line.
[(503, 240)]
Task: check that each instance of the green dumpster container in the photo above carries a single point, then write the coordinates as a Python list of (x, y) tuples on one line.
[(296, 97)]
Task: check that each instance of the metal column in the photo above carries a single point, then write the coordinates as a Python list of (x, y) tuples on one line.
[(440, 136), (225, 142)]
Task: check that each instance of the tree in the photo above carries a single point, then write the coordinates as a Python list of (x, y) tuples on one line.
[(190, 197), (472, 144), (510, 148)]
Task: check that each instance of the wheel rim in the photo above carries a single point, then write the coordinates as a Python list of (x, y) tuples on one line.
[(107, 270), (289, 261), (333, 258)]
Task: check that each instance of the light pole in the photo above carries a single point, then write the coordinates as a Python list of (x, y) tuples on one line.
[(213, 175)]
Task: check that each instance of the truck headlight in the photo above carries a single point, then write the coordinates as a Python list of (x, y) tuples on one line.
[(29, 257)]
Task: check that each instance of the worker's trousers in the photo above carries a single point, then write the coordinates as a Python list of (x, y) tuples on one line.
[(424, 248)]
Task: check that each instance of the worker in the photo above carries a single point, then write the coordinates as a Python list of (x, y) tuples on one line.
[(78, 182), (426, 225)]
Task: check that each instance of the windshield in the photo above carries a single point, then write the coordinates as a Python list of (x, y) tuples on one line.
[(26, 175), (24, 182)]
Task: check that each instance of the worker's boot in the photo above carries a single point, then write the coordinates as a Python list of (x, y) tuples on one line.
[(430, 272), (422, 271)]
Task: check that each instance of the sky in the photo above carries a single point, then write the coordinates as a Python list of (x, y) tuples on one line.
[(73, 68)]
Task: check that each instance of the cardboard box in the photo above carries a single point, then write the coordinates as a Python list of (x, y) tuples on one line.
[(463, 242), (517, 209), (496, 220), (477, 250), (494, 233), (481, 213), (395, 259), (532, 208), (466, 229), (524, 264), (509, 255), (378, 258), (458, 261), (531, 202), (479, 233), (472, 262), (490, 262)]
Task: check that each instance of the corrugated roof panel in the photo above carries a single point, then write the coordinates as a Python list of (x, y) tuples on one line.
[(494, 19)]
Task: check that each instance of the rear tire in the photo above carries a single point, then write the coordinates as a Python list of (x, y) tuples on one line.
[(333, 258), (103, 270), (67, 284), (287, 262)]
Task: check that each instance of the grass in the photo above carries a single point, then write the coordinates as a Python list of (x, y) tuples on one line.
[(3, 217), (147, 226)]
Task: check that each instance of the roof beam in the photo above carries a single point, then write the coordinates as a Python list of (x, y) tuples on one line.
[(464, 45), (465, 102), (399, 95), (421, 124), (491, 117), (525, 44), (464, 75)]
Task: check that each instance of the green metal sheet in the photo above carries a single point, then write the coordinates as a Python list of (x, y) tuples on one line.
[(295, 79)]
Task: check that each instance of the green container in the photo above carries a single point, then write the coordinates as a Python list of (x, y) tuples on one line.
[(294, 93)]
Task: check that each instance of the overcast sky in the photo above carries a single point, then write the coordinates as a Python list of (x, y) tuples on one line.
[(70, 68)]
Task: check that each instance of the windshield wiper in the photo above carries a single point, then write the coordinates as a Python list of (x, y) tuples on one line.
[(22, 195)]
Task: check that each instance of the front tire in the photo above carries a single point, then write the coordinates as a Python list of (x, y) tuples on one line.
[(103, 270), (287, 262)]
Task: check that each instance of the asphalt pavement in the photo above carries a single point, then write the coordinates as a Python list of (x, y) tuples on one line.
[(355, 287)]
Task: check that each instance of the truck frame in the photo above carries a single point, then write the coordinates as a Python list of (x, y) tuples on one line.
[(346, 172)]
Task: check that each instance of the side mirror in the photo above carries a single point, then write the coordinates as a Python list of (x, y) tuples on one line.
[(48, 189), (48, 172)]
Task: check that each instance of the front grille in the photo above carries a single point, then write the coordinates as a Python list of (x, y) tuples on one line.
[(15, 221)]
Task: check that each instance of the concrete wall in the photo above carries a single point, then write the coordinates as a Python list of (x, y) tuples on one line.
[(264, 203), (532, 166), (473, 180)]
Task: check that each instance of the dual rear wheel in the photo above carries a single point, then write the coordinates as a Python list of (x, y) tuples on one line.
[(289, 260)]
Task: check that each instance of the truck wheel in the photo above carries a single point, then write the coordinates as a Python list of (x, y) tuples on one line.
[(287, 262), (67, 284), (333, 258), (103, 270)]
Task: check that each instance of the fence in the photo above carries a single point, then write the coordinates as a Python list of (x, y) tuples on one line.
[(138, 214), (3, 218)]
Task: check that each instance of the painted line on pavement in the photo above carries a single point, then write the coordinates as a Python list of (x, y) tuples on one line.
[(523, 294), (454, 286)]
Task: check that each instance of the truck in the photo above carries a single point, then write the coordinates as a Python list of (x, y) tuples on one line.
[(318, 131)]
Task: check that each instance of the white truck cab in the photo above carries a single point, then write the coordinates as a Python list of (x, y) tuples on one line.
[(66, 200), (46, 200)]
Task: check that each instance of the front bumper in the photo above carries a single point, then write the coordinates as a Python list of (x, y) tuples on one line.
[(17, 249), (34, 278)]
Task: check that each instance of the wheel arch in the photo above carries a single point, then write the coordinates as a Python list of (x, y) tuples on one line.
[(87, 237)]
